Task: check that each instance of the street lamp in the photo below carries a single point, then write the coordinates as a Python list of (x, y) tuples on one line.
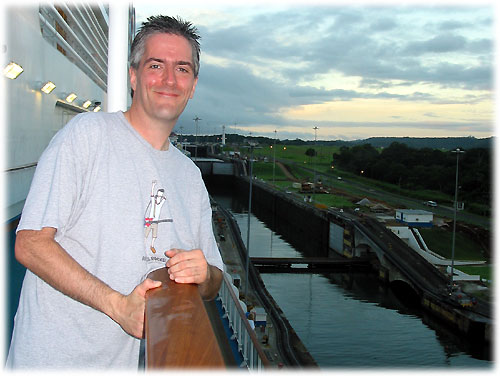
[(314, 164), (196, 139), (457, 151), (249, 212), (274, 156), (180, 136)]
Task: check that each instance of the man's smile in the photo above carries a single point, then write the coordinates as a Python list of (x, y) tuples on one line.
[(165, 93)]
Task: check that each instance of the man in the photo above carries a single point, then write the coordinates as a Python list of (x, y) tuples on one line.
[(81, 234)]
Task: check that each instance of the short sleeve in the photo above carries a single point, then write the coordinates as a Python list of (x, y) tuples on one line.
[(56, 187)]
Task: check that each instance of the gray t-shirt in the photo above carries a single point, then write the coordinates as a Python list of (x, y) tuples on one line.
[(111, 196)]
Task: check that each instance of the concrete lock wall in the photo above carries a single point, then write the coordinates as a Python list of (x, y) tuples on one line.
[(302, 225), (336, 238)]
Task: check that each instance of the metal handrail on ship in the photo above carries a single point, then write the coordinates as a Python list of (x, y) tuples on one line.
[(248, 343), (283, 336)]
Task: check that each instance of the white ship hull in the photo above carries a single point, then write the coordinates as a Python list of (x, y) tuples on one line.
[(32, 117)]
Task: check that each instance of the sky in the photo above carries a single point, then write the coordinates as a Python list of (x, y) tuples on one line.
[(354, 71)]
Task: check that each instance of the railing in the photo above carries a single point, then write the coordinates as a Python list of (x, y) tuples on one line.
[(248, 343), (23, 167), (177, 328), (179, 333), (81, 36)]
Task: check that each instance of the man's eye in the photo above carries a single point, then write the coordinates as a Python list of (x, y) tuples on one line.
[(183, 70), (155, 66)]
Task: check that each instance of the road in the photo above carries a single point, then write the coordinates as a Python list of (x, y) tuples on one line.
[(393, 199)]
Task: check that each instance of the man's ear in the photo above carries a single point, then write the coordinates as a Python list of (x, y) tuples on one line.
[(193, 89), (133, 78)]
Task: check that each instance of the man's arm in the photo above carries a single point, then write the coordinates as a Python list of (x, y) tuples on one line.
[(192, 267), (210, 288), (40, 253)]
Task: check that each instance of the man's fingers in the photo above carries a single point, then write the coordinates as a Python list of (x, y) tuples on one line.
[(171, 253), (146, 285)]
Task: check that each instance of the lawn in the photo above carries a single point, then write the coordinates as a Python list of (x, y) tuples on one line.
[(485, 271), (333, 200), (440, 241), (322, 163), (297, 153), (264, 170)]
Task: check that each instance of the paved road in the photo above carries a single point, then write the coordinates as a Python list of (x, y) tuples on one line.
[(394, 199)]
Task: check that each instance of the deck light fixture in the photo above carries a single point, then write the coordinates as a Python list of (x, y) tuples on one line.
[(71, 97), (48, 87), (86, 104), (12, 70), (97, 109)]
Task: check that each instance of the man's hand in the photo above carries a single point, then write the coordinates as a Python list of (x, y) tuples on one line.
[(128, 311), (192, 267), (39, 252), (187, 266)]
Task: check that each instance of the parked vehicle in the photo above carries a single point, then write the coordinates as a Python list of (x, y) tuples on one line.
[(431, 203)]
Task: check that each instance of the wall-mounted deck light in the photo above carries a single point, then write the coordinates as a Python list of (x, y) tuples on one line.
[(86, 104), (48, 87), (12, 70), (97, 109), (71, 97)]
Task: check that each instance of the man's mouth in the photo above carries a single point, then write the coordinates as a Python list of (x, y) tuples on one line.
[(166, 93)]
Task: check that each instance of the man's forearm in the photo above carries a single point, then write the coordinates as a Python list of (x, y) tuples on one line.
[(40, 253), (210, 288)]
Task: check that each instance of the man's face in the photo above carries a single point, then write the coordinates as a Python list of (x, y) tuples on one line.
[(164, 80)]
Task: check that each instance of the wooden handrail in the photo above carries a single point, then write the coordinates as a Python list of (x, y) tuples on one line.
[(177, 328)]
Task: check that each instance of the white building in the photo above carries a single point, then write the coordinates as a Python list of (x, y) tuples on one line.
[(415, 218)]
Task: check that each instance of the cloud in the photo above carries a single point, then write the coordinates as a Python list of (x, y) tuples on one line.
[(257, 63), (437, 44)]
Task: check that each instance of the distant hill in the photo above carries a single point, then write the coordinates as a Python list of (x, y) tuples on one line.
[(447, 143)]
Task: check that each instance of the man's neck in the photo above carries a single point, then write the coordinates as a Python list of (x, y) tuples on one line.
[(154, 132)]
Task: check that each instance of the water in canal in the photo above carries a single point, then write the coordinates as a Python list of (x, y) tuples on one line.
[(351, 320)]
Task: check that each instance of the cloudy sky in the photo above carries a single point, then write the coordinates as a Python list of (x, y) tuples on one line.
[(354, 71)]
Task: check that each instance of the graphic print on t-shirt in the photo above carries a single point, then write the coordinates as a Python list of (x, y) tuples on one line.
[(152, 219)]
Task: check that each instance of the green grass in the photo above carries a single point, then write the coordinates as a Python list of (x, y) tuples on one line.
[(264, 170), (440, 241), (322, 163), (333, 200), (484, 271), (295, 153)]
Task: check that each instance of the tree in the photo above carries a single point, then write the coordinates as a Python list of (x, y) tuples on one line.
[(311, 152)]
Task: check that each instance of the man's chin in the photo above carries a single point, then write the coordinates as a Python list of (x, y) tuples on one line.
[(167, 116)]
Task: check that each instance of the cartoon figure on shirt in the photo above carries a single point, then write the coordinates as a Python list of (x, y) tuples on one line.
[(151, 222)]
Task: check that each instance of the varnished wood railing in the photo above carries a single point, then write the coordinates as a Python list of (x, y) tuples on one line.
[(177, 328)]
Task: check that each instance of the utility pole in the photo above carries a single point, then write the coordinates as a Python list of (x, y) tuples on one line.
[(274, 156), (248, 228), (196, 138), (180, 136), (458, 152), (314, 163)]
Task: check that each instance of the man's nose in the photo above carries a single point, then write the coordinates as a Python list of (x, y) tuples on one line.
[(169, 75)]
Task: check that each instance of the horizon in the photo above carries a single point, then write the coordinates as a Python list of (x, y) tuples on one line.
[(493, 137)]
